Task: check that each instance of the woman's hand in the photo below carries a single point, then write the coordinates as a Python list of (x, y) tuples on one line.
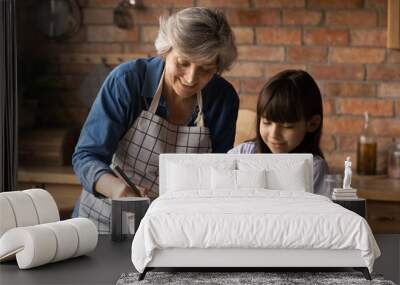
[(122, 191), (113, 187), (126, 191), (143, 191)]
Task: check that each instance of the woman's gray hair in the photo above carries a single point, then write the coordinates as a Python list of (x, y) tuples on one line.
[(200, 33)]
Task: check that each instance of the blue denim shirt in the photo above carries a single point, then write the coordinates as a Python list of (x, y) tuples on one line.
[(126, 92)]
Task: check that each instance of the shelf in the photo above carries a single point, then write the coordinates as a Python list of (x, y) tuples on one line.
[(60, 182), (378, 188), (60, 174)]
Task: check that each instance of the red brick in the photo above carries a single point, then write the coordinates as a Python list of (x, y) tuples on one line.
[(349, 89), (169, 3), (343, 125), (148, 16), (247, 95), (328, 106), (386, 127), (376, 4), (235, 82), (327, 143), (85, 48), (326, 36), (261, 53), (280, 3), (344, 72), (389, 89), (248, 101), (78, 37), (98, 16), (139, 48), (273, 68), (336, 4), (253, 17), (347, 143), (57, 115), (101, 3), (243, 35), (112, 34), (309, 54), (224, 3), (301, 17), (384, 143), (149, 34), (356, 55), (375, 107), (68, 81), (352, 19), (253, 85), (278, 36), (76, 68), (336, 160), (383, 72), (382, 18), (246, 69), (373, 38), (398, 108), (82, 3), (393, 56), (381, 163)]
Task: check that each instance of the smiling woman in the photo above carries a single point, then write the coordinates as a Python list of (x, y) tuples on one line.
[(176, 102)]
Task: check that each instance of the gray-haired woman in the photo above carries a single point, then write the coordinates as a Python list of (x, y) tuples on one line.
[(176, 102)]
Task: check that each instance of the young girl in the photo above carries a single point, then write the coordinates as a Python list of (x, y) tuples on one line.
[(289, 120)]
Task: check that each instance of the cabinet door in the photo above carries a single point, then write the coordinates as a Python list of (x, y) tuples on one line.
[(383, 216)]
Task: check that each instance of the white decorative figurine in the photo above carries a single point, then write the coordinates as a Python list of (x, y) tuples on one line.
[(346, 192), (347, 173)]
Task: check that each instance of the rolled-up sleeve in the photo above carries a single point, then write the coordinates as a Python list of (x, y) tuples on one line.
[(106, 123)]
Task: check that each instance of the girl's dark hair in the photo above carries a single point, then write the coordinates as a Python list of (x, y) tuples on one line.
[(290, 96)]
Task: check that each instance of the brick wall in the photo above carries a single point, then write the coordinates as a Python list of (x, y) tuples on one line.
[(341, 43)]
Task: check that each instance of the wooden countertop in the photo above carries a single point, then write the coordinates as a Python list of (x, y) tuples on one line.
[(61, 182), (56, 174), (377, 187)]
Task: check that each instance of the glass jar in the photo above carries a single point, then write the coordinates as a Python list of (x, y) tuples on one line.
[(366, 150), (331, 181), (394, 160)]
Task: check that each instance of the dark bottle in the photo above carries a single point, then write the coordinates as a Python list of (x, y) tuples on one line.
[(366, 150)]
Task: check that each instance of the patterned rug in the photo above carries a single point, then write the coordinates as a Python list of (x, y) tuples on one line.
[(243, 278)]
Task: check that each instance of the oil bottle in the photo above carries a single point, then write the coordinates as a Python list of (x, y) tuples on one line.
[(366, 150)]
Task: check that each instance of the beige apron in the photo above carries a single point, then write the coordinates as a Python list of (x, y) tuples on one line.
[(138, 153)]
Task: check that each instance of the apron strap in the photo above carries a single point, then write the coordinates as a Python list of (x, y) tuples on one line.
[(156, 99), (157, 95), (199, 120)]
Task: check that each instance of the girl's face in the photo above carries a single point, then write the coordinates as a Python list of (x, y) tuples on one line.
[(185, 76), (282, 137)]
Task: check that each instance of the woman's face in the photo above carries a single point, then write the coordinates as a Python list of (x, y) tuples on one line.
[(185, 76), (282, 137)]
